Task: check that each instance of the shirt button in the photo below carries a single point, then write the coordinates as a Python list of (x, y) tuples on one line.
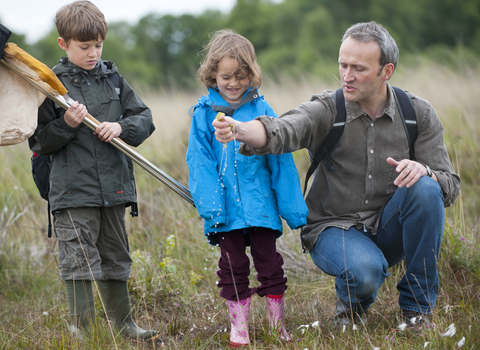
[(369, 176), (366, 201), (371, 125), (371, 151), (106, 203)]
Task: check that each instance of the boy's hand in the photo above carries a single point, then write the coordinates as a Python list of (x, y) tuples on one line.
[(108, 131), (75, 114)]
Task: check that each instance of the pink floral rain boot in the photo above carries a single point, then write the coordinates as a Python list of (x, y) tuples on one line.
[(239, 311), (275, 312)]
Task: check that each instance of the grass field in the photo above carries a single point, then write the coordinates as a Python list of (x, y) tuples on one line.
[(173, 284)]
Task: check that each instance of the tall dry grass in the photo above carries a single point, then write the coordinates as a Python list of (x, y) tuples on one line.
[(173, 285)]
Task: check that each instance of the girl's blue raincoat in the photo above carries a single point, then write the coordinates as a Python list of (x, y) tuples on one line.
[(232, 191)]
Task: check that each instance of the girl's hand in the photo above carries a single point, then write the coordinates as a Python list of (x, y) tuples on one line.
[(108, 131), (225, 128), (75, 114)]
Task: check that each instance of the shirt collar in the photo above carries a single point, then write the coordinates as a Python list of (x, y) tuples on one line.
[(354, 110)]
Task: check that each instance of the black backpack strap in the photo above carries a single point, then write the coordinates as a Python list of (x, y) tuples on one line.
[(407, 112), (330, 142), (49, 235)]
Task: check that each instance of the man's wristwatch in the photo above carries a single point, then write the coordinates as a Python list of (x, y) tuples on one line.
[(429, 171)]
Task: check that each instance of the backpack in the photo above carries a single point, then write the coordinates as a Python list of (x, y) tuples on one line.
[(4, 35), (328, 145), (41, 166)]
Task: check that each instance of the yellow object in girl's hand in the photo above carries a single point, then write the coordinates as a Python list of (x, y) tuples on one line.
[(219, 118), (220, 115)]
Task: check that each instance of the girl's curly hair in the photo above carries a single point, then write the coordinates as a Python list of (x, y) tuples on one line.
[(227, 43)]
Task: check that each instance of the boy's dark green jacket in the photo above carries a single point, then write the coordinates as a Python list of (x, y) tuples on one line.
[(87, 172)]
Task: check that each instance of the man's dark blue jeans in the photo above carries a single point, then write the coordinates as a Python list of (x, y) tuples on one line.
[(411, 228)]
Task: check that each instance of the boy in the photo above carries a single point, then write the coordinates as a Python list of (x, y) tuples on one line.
[(91, 182)]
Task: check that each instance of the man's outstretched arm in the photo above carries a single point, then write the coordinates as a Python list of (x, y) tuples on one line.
[(252, 133)]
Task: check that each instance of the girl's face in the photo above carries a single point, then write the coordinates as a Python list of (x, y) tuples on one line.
[(231, 82)]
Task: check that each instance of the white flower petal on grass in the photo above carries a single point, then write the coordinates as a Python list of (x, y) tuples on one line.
[(75, 331), (375, 348), (304, 327), (450, 332), (315, 324), (45, 313), (461, 342), (354, 327), (402, 326), (426, 344), (344, 328)]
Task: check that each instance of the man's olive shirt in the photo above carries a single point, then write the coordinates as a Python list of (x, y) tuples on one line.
[(362, 181)]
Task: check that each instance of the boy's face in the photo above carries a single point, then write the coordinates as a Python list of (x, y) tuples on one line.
[(84, 54)]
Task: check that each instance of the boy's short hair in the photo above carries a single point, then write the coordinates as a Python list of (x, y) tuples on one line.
[(81, 21), (227, 43)]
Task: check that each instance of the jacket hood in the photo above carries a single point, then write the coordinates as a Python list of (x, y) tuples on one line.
[(102, 68), (218, 103), (214, 96)]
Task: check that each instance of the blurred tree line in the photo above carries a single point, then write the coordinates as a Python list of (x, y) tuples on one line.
[(296, 37)]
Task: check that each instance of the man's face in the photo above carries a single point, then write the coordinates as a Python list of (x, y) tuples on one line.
[(84, 54), (363, 80)]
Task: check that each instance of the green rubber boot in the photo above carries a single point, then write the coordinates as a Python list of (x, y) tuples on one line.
[(117, 304), (81, 305)]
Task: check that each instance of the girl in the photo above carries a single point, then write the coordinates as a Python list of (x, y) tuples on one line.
[(241, 198)]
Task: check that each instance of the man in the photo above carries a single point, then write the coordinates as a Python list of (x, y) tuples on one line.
[(377, 206)]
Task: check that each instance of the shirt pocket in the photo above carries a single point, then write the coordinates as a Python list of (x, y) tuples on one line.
[(391, 174)]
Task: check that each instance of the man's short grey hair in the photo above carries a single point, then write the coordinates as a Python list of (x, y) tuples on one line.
[(373, 31)]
